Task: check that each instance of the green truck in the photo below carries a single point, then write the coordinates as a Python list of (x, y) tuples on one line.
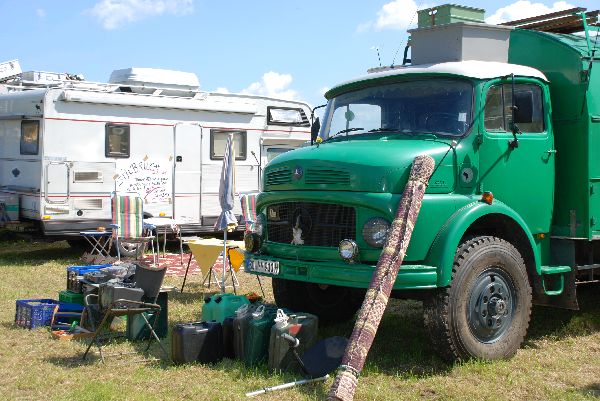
[(511, 217)]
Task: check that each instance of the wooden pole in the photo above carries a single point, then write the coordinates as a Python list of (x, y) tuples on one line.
[(377, 296)]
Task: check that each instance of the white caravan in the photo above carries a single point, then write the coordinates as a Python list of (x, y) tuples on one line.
[(66, 144)]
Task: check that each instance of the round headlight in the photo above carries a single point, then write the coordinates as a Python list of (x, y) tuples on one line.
[(259, 224), (348, 250), (375, 231), (252, 242)]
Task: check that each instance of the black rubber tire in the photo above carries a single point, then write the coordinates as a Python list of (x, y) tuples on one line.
[(78, 244), (452, 314), (129, 249), (331, 303)]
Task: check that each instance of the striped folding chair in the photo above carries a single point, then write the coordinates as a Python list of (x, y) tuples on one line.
[(128, 223), (248, 202)]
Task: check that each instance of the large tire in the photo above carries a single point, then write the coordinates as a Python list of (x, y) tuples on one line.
[(329, 302), (129, 249), (485, 311)]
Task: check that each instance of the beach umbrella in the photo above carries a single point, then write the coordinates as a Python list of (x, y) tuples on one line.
[(227, 220)]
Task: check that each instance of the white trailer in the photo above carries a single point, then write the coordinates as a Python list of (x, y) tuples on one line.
[(66, 144)]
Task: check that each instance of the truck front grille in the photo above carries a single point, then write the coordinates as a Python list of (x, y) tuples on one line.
[(322, 224)]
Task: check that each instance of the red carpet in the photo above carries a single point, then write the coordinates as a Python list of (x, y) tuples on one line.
[(174, 267)]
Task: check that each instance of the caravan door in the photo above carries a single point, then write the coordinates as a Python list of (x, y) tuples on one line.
[(188, 160), (57, 182)]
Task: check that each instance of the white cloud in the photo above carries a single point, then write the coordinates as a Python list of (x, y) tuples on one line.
[(41, 13), (273, 84), (397, 14), (115, 13), (524, 9)]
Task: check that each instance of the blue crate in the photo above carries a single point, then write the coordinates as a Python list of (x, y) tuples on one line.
[(74, 272), (32, 313)]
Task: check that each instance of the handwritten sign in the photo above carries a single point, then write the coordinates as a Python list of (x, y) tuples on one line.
[(152, 180)]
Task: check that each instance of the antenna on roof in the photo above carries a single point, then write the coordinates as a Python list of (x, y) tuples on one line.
[(376, 48)]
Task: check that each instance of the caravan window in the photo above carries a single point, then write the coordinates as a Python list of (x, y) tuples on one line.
[(218, 141), (117, 141), (30, 137), (287, 116)]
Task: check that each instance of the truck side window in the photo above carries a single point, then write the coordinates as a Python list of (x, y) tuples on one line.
[(493, 112), (497, 112), (218, 141), (30, 137), (117, 141), (535, 94)]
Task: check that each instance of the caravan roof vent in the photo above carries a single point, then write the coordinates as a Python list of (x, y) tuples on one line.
[(149, 80)]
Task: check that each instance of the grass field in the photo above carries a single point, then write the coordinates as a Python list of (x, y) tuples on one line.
[(560, 359)]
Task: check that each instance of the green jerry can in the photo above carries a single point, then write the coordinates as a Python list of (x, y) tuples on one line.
[(136, 326), (242, 317), (220, 306), (258, 334), (302, 326)]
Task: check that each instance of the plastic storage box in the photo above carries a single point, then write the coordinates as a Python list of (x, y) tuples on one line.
[(70, 297), (75, 273), (32, 313)]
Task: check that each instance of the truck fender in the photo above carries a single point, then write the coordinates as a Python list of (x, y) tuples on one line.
[(443, 249)]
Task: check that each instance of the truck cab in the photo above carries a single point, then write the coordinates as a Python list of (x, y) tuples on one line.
[(488, 241)]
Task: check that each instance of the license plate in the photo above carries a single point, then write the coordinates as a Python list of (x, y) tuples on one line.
[(265, 266)]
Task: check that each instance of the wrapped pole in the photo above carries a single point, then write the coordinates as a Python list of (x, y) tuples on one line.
[(377, 296)]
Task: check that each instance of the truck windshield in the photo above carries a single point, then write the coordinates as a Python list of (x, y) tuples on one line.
[(439, 106)]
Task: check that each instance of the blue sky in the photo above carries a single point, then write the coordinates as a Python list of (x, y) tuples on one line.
[(282, 48)]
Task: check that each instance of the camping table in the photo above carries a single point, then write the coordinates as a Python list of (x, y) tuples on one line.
[(165, 223), (206, 251), (100, 241)]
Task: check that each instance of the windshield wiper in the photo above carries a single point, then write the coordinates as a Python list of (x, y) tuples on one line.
[(383, 130), (344, 131)]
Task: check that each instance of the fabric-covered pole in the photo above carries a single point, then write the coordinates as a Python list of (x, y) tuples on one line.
[(377, 296)]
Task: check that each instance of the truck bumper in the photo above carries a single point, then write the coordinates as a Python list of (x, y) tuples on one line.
[(410, 277)]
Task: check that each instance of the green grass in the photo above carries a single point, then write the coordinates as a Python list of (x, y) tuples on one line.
[(560, 359)]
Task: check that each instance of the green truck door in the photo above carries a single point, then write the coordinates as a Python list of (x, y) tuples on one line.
[(522, 177)]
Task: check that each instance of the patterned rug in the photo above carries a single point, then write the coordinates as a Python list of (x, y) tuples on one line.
[(174, 266), (171, 260)]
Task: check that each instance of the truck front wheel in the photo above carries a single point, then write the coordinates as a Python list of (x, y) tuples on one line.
[(485, 311), (331, 303)]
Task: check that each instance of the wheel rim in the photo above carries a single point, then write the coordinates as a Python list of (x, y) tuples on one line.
[(491, 305)]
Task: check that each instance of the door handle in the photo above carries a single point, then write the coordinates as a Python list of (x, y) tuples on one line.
[(551, 151)]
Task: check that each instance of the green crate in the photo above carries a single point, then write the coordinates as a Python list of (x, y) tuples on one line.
[(70, 297)]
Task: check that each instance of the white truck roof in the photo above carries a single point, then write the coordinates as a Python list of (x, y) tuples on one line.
[(469, 68)]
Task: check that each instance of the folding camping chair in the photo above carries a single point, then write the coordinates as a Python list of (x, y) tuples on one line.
[(124, 307), (150, 281), (128, 223), (248, 202)]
